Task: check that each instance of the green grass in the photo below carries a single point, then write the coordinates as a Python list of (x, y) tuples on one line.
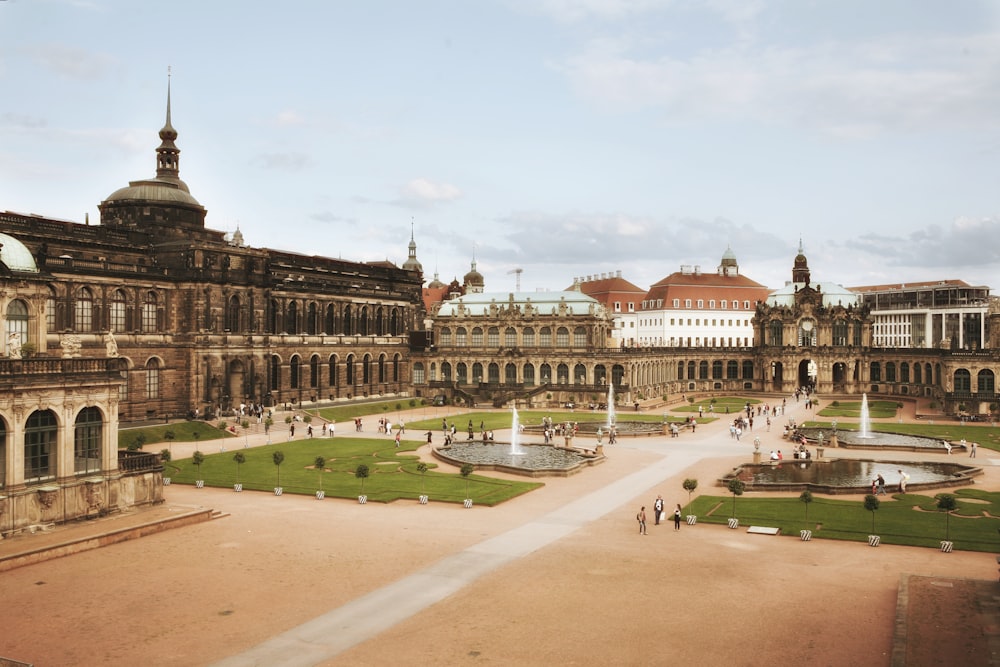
[(735, 404), (348, 412), (192, 431), (393, 472), (908, 519), (852, 409)]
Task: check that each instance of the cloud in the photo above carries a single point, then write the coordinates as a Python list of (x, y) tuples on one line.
[(283, 161), (288, 118), (422, 193), (71, 62)]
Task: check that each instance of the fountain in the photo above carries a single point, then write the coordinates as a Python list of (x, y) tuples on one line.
[(515, 435), (836, 476), (611, 405), (865, 426)]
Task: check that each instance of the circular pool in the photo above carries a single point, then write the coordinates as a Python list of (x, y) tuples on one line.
[(833, 476), (533, 461)]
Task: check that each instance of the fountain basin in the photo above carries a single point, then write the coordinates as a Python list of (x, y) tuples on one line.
[(533, 461), (878, 440), (626, 429), (841, 476)]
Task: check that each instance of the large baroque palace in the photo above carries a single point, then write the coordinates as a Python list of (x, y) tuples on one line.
[(151, 314)]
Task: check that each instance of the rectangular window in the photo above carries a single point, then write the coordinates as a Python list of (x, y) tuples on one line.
[(711, 303), (460, 339), (723, 303), (116, 316), (631, 307), (83, 315), (493, 338), (149, 317), (529, 337), (687, 303), (477, 337), (701, 303), (152, 383), (545, 340)]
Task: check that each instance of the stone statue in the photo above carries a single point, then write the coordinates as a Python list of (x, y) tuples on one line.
[(110, 344), (14, 345)]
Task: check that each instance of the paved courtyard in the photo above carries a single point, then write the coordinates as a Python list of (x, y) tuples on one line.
[(559, 576)]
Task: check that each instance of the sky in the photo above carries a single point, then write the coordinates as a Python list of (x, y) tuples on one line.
[(564, 138)]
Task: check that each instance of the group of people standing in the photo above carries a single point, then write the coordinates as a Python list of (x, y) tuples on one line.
[(659, 514)]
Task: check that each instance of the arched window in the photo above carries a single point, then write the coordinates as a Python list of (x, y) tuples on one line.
[(349, 370), (461, 339), (494, 373), (579, 374), (381, 369), (529, 374), (691, 370), (330, 321), (985, 381), (680, 370), (546, 373), (462, 373), (445, 338), (562, 337), (748, 370), (717, 369), (116, 312), (545, 337), (446, 371), (493, 337), (275, 373), (890, 371), (314, 371), (562, 374), (348, 320), (732, 370), (83, 310), (418, 373), (775, 333), (292, 318), (528, 337), (917, 373), (580, 337), (233, 314), (293, 372), (840, 332), (40, 439), (510, 337), (477, 337), (510, 374), (703, 370), (875, 371), (379, 322), (87, 438), (50, 310), (332, 377), (149, 307), (963, 381), (153, 378), (3, 454), (363, 321), (274, 318), (366, 369), (17, 320), (904, 372), (477, 373), (312, 319), (600, 374)]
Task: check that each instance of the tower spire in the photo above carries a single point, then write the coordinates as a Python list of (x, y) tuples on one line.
[(167, 154)]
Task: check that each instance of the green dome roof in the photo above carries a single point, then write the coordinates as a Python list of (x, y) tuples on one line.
[(16, 255)]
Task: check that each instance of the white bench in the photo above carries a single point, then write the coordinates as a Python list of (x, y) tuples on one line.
[(763, 530)]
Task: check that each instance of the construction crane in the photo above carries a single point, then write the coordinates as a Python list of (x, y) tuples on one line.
[(518, 271)]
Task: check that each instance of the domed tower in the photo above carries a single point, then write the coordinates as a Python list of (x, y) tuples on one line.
[(800, 269), (411, 263), (473, 281), (729, 266), (162, 204)]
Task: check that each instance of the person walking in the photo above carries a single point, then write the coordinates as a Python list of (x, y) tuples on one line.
[(641, 518), (677, 518), (972, 450), (657, 510), (880, 485)]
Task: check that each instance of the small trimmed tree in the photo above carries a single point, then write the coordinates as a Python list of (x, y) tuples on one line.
[(947, 502), (736, 487), (320, 464), (361, 472), (690, 485), (806, 497), (165, 455), (278, 458), (169, 436), (240, 459), (465, 471), (871, 504), (422, 469), (246, 432), (198, 458)]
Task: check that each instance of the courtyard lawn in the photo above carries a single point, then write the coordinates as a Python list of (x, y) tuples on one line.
[(392, 476), (497, 420), (348, 411), (718, 405), (907, 519), (852, 409), (188, 431)]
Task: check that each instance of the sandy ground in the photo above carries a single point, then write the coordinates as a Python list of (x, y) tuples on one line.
[(704, 595)]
